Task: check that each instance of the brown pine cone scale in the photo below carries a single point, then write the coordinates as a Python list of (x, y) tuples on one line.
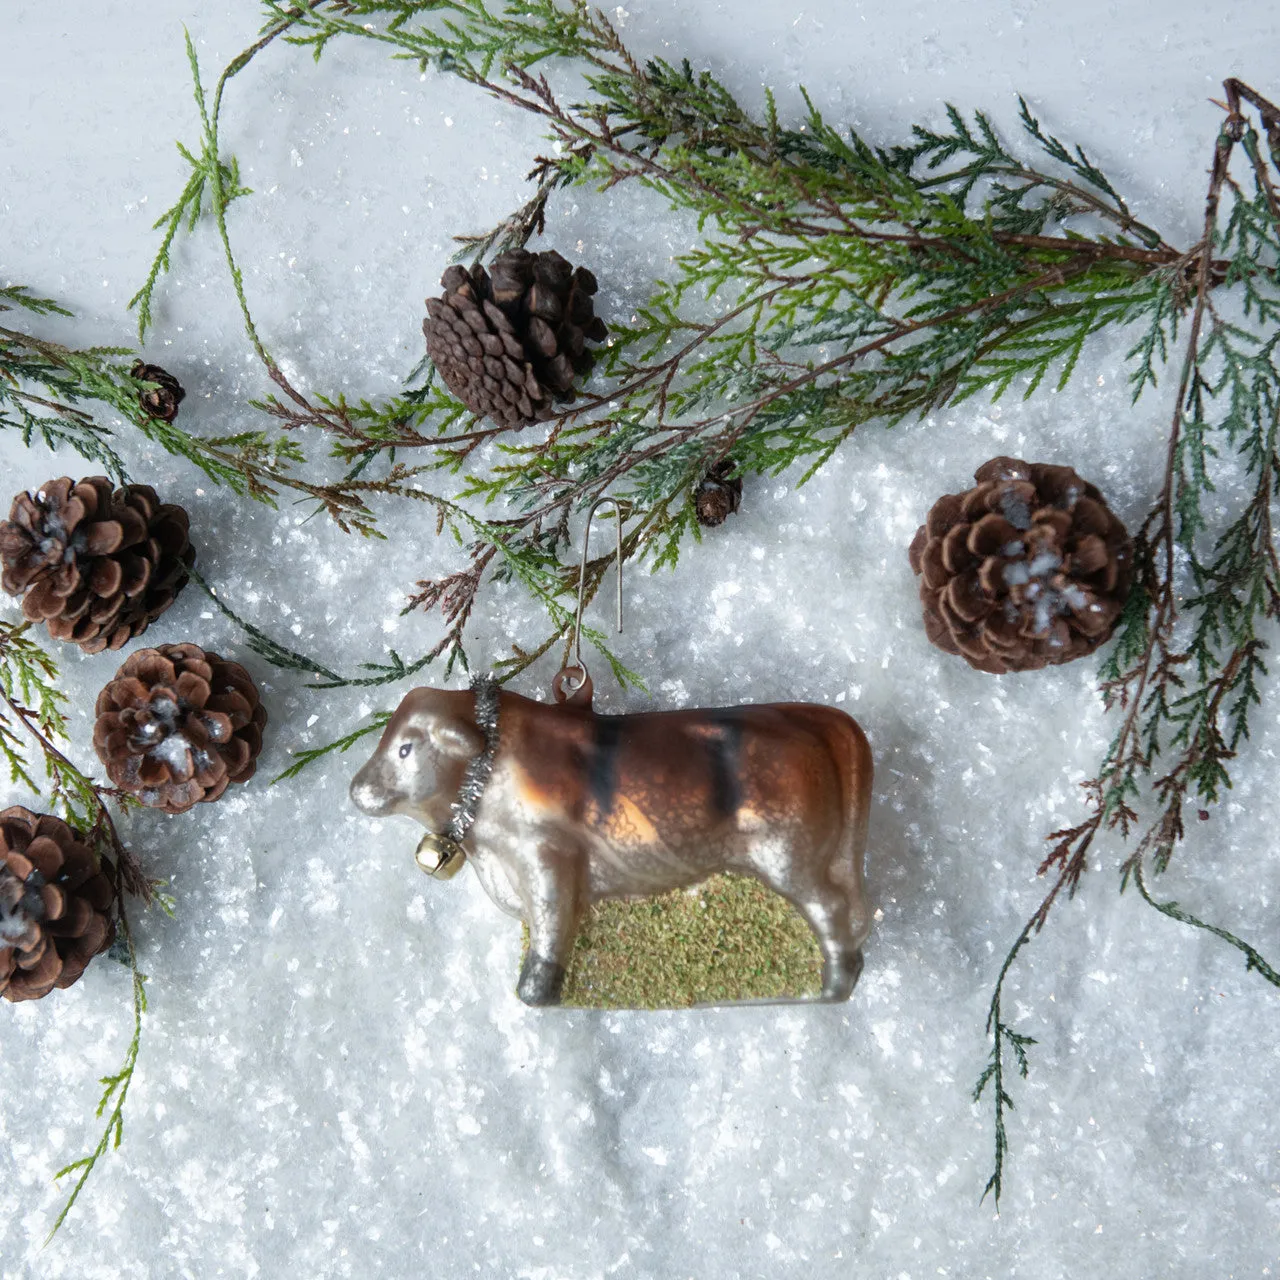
[(96, 565), (509, 342), (1030, 568), (177, 725), (55, 905)]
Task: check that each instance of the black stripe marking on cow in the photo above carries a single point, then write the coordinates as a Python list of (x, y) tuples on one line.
[(602, 773), (724, 747)]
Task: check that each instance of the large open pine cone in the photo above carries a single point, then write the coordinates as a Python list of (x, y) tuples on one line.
[(509, 342), (97, 565), (1028, 569), (177, 724), (55, 905)]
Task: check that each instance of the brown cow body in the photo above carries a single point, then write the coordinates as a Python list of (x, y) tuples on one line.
[(581, 807)]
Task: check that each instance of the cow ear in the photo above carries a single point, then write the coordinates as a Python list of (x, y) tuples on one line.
[(453, 739)]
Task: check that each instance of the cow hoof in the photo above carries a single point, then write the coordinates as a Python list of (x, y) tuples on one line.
[(541, 981), (839, 977)]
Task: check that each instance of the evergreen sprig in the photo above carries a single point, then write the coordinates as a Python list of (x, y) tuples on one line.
[(45, 389), (302, 759), (115, 1087), (32, 717), (1184, 673), (837, 282)]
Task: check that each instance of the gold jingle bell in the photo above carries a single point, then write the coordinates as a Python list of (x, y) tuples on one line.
[(439, 856)]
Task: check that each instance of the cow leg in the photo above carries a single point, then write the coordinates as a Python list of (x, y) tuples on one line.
[(549, 885), (541, 980), (825, 906), (828, 915)]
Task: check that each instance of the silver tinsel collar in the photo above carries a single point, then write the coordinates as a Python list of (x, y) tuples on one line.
[(485, 690)]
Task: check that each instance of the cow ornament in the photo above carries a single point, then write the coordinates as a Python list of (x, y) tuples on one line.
[(557, 807)]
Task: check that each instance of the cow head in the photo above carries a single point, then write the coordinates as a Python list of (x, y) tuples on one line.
[(420, 760)]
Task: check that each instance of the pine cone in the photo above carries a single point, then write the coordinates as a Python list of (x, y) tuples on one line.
[(718, 495), (509, 343), (177, 724), (96, 566), (1026, 570), (160, 401), (55, 905)]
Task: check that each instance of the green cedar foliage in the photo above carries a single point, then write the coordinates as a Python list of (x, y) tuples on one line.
[(32, 720), (836, 283), (45, 389)]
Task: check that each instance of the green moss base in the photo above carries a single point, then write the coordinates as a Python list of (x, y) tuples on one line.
[(725, 940)]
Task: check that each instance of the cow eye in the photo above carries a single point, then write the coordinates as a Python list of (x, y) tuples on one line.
[(405, 749)]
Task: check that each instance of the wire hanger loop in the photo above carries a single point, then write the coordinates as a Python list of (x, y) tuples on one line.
[(573, 679)]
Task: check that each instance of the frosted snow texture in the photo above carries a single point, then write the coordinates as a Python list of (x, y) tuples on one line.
[(336, 1078)]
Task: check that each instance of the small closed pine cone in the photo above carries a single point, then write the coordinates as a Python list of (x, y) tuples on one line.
[(176, 725), (509, 342), (96, 565), (162, 400), (718, 494), (1028, 569), (55, 905)]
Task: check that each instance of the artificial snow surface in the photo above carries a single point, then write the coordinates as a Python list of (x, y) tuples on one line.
[(336, 1078)]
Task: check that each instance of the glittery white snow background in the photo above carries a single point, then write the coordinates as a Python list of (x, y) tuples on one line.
[(336, 1079)]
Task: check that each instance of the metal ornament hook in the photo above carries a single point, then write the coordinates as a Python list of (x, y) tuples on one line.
[(573, 680)]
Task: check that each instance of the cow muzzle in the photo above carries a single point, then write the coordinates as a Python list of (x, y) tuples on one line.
[(369, 795)]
